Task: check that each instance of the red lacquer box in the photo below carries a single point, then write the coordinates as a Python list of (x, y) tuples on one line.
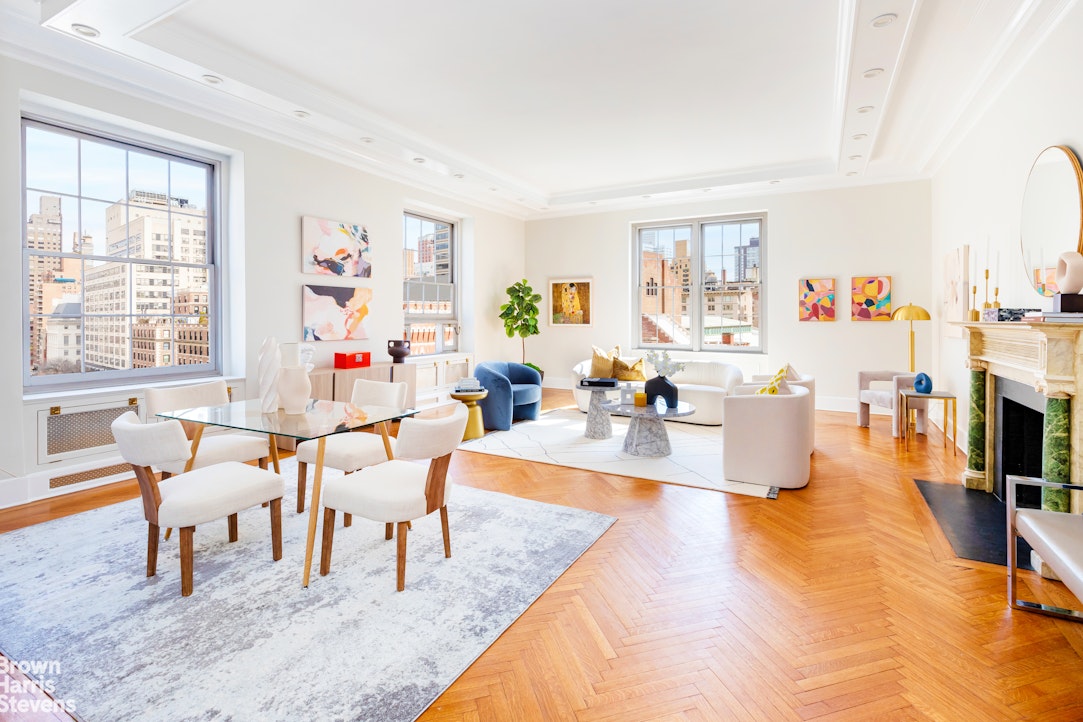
[(352, 360)]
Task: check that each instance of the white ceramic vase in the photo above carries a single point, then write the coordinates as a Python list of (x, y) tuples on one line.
[(294, 388), (270, 361), (1070, 272)]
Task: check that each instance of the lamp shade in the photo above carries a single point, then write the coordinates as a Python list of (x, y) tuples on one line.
[(910, 312)]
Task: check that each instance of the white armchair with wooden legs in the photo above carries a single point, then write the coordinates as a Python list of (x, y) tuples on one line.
[(350, 452), (194, 497), (398, 491)]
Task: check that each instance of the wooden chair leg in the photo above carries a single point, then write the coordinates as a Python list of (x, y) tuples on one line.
[(262, 461), (328, 538), (152, 549), (400, 559), (302, 482), (168, 530), (232, 519), (186, 553), (276, 528), (347, 519), (389, 530), (447, 535)]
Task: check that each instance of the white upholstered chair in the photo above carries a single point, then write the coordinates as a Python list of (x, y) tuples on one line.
[(350, 452), (887, 397), (804, 380), (195, 497), (765, 439), (398, 491), (213, 449)]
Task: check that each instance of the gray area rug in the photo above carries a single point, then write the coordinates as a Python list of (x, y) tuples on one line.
[(251, 643)]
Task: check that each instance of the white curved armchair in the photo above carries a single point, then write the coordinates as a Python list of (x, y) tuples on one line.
[(887, 398), (765, 439), (806, 381)]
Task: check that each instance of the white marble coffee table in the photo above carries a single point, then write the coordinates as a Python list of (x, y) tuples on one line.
[(598, 424), (647, 430)]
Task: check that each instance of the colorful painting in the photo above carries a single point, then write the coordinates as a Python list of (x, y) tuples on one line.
[(334, 313), (817, 299), (956, 289), (1045, 280), (569, 302), (870, 298), (334, 249)]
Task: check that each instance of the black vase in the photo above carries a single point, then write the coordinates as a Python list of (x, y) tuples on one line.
[(661, 386), (398, 350)]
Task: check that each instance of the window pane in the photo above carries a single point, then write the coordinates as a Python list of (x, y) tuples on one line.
[(148, 176), (189, 238), (60, 345), (107, 288), (428, 291), (103, 170), (52, 161), (94, 237), (189, 184), (107, 342)]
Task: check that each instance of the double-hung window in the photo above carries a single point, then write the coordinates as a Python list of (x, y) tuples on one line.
[(118, 260), (429, 300), (701, 284)]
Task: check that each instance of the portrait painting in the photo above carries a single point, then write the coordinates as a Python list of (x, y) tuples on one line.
[(332, 248), (334, 313), (569, 302)]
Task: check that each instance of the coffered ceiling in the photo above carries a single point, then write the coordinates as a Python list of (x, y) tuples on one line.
[(564, 106)]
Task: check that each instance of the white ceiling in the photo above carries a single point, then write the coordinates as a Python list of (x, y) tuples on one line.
[(541, 108)]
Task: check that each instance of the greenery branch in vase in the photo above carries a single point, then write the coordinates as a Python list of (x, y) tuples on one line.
[(661, 385), (520, 314)]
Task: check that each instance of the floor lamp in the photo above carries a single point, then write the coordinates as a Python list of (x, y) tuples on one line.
[(910, 313)]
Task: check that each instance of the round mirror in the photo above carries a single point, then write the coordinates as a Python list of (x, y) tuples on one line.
[(1052, 220)]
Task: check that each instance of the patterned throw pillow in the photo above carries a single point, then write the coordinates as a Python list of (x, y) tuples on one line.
[(775, 386), (601, 364), (628, 372), (790, 373)]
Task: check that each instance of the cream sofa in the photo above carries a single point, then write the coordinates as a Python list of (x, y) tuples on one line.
[(701, 383)]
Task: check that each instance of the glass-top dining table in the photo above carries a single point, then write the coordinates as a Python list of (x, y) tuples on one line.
[(320, 420)]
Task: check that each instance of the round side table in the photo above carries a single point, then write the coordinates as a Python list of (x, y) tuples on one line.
[(475, 425)]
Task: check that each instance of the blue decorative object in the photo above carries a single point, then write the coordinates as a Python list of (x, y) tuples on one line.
[(923, 384)]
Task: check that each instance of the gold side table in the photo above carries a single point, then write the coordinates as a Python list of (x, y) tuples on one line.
[(906, 395), (475, 425)]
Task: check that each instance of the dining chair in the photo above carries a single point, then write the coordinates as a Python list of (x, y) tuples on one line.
[(350, 452), (214, 448), (194, 497), (397, 491)]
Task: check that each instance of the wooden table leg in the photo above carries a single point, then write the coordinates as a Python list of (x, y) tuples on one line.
[(314, 506), (382, 426), (196, 436), (274, 452)]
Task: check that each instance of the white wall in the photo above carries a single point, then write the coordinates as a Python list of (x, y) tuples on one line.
[(874, 230), (275, 186), (978, 192)]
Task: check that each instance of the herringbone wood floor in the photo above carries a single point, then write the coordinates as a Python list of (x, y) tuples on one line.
[(838, 601)]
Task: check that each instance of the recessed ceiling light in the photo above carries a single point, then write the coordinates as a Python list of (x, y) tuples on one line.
[(853, 172), (872, 72), (458, 176), (859, 136), (882, 21), (212, 79), (774, 182), (419, 159), (301, 113), (367, 139), (85, 30), (866, 108), (855, 157), (646, 196), (493, 188), (708, 190)]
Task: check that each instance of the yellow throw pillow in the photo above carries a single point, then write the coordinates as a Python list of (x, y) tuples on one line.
[(628, 372), (601, 364), (790, 373), (776, 386)]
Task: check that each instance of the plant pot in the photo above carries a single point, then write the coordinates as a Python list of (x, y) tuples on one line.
[(398, 349), (660, 386)]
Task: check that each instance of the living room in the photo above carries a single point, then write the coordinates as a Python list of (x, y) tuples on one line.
[(962, 184)]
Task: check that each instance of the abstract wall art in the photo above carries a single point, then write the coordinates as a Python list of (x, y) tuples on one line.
[(870, 298), (569, 302), (334, 313), (816, 299), (956, 289), (334, 249)]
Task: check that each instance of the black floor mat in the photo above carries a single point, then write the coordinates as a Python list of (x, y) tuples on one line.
[(974, 522)]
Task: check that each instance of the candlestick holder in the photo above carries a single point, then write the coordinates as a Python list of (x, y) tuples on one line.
[(986, 303), (996, 297), (973, 314)]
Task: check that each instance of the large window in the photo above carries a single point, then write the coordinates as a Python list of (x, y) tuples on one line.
[(701, 284), (428, 289), (118, 254)]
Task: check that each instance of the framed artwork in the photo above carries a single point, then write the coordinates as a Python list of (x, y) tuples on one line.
[(870, 298), (956, 289), (332, 248), (569, 302), (816, 299), (334, 313), (1045, 281)]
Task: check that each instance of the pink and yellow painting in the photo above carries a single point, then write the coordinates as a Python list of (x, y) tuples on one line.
[(870, 298), (334, 313), (334, 249), (817, 299)]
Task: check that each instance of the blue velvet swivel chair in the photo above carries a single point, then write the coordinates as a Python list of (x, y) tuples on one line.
[(514, 393)]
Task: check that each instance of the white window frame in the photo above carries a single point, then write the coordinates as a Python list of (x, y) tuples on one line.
[(149, 143), (448, 323), (696, 311)]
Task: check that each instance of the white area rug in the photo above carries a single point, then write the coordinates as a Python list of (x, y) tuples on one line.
[(557, 438), (251, 643)]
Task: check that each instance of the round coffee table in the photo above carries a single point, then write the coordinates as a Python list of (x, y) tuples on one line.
[(647, 429), (475, 425)]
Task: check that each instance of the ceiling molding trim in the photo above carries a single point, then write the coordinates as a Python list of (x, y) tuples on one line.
[(844, 54)]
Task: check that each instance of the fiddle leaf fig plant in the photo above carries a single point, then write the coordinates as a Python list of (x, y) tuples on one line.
[(520, 313)]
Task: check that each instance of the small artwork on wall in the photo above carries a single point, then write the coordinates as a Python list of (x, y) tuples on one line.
[(569, 302), (816, 299), (332, 248), (870, 298), (1045, 280), (334, 313), (956, 289)]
